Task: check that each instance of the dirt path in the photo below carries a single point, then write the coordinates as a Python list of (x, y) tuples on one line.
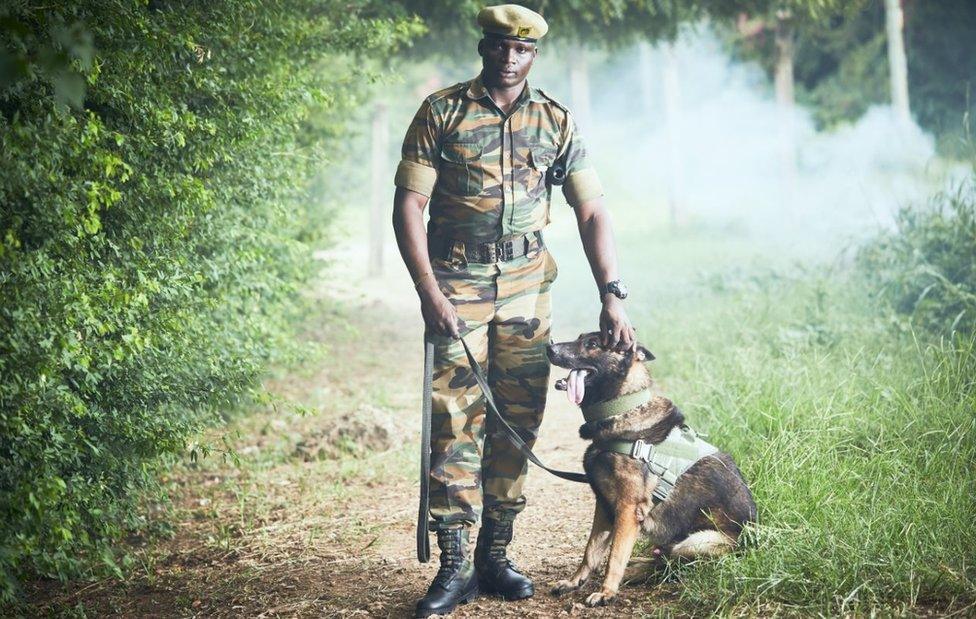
[(317, 520)]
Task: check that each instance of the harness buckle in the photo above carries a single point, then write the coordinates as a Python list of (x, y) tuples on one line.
[(641, 450)]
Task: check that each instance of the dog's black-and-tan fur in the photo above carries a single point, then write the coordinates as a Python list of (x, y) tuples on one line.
[(705, 511)]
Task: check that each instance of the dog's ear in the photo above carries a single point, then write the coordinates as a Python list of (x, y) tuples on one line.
[(643, 354)]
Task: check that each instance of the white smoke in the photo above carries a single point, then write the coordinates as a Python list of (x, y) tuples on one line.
[(726, 163)]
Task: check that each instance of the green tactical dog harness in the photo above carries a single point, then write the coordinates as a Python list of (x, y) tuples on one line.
[(668, 459)]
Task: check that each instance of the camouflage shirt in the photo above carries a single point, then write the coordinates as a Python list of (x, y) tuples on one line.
[(485, 171)]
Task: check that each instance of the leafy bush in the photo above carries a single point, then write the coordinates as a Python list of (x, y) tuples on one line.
[(925, 271), (153, 209)]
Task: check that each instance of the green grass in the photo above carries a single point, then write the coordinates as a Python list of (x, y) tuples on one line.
[(859, 448)]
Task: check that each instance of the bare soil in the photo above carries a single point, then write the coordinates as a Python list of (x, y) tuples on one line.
[(318, 517)]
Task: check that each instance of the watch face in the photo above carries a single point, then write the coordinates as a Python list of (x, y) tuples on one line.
[(618, 289)]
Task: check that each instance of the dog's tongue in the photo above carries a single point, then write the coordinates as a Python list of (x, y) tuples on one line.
[(576, 385)]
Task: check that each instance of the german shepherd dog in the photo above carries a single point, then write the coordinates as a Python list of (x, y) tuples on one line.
[(702, 515)]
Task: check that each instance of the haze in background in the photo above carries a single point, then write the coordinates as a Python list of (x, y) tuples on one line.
[(715, 183), (722, 161)]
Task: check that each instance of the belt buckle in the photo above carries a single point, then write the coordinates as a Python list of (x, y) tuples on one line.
[(506, 249), (489, 253)]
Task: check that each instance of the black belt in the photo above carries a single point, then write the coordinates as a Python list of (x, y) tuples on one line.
[(485, 252)]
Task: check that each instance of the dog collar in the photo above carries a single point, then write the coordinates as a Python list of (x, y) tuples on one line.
[(617, 406)]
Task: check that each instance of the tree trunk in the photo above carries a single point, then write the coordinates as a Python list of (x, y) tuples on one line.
[(579, 86), (786, 102), (897, 60), (672, 118), (785, 48), (378, 181), (646, 76)]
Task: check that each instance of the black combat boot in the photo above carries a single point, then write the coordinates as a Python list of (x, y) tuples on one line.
[(496, 574), (456, 581)]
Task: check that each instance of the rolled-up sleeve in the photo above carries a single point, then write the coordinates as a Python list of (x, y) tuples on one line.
[(417, 170), (582, 182)]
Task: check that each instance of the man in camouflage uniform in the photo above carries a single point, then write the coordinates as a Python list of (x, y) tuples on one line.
[(479, 153)]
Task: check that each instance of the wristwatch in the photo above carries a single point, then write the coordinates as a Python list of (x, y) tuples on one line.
[(616, 288)]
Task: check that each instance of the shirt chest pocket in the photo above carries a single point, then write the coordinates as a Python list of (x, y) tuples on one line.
[(540, 160), (461, 171)]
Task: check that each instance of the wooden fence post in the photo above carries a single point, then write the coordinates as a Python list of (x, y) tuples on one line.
[(379, 181)]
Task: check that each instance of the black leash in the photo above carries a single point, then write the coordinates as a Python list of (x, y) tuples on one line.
[(423, 539), (512, 434)]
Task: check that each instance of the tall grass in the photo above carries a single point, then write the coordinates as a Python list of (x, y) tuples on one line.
[(925, 270), (858, 443)]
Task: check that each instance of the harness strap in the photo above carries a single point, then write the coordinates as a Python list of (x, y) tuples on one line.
[(669, 459)]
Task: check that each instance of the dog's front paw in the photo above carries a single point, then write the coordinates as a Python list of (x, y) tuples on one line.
[(600, 598), (565, 586)]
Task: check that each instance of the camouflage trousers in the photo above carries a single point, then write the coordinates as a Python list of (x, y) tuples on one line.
[(504, 311)]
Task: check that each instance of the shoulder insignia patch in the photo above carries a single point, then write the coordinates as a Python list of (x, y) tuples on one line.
[(446, 92), (554, 102)]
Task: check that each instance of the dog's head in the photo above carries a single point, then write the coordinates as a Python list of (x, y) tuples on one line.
[(597, 373)]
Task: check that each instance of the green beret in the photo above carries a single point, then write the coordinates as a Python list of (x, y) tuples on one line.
[(511, 21)]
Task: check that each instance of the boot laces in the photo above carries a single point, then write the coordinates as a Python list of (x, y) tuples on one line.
[(501, 536), (451, 558)]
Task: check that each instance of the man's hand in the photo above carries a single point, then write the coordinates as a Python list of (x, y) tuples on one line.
[(615, 328), (594, 228), (439, 314)]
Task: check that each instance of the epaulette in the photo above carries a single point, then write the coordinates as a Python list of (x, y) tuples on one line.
[(444, 92), (556, 103)]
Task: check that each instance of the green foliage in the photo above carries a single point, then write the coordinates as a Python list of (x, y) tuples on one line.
[(841, 62), (925, 271), (453, 29), (154, 217), (942, 69)]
